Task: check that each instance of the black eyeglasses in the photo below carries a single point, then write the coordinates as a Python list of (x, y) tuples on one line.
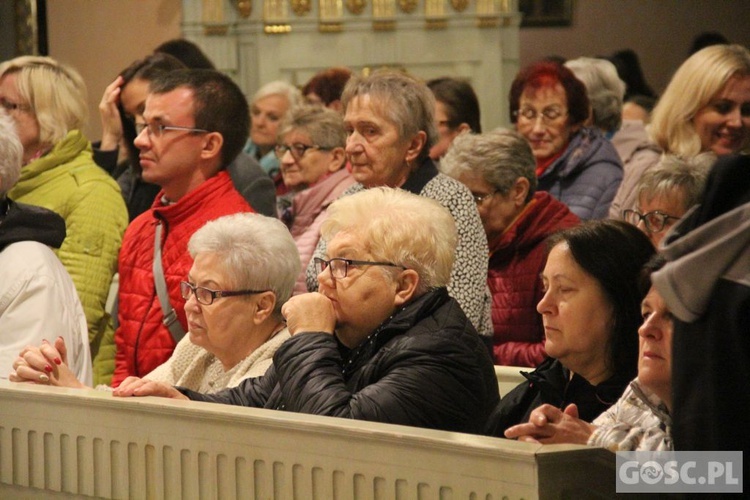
[(654, 221), (339, 267), (12, 106), (157, 129), (297, 149), (479, 198), (206, 296), (548, 114)]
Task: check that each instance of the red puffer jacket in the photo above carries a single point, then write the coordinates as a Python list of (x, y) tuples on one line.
[(143, 342), (516, 260)]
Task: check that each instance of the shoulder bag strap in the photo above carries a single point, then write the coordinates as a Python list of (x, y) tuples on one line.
[(170, 315)]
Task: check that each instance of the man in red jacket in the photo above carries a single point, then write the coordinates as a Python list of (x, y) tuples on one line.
[(194, 124)]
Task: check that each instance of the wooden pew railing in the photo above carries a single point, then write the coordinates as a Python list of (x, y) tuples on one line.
[(65, 443)]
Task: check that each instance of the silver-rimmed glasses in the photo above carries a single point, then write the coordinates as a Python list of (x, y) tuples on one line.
[(157, 129)]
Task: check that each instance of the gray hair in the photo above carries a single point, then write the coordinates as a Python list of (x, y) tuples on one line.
[(499, 157), (324, 126), (399, 98), (280, 87), (604, 88), (257, 252), (11, 154), (400, 227), (674, 176)]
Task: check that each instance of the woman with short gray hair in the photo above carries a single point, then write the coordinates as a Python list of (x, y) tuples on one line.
[(499, 169), (390, 129), (310, 147), (666, 192), (243, 272)]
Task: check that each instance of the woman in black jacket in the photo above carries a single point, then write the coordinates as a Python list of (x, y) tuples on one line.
[(381, 340)]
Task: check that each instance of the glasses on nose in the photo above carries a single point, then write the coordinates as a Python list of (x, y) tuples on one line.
[(206, 296), (479, 198), (654, 221), (297, 149), (339, 267), (157, 129), (530, 115), (13, 106)]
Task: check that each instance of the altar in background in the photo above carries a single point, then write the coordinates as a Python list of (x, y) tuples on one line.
[(257, 41)]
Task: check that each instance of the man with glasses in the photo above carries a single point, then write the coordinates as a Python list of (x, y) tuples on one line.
[(194, 124), (381, 340)]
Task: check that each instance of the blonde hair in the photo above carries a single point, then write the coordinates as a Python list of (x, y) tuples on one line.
[(696, 82), (399, 227), (55, 92)]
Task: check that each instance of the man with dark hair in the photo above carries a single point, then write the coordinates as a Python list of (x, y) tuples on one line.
[(194, 123)]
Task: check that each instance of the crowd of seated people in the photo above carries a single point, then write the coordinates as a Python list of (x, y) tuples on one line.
[(402, 253)]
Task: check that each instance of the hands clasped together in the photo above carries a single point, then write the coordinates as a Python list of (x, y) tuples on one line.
[(550, 425), (46, 364)]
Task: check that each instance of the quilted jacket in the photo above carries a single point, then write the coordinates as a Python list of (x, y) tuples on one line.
[(517, 258), (143, 342), (586, 176), (67, 181), (425, 366)]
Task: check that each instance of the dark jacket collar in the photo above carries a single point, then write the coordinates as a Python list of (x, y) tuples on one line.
[(400, 322), (20, 222), (420, 177), (554, 381)]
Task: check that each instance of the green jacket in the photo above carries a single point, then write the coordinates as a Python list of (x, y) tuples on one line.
[(67, 181)]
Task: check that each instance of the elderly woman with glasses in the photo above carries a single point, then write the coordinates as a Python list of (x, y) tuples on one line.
[(576, 164), (310, 149), (243, 272), (498, 169), (47, 102), (390, 130), (667, 192), (382, 340)]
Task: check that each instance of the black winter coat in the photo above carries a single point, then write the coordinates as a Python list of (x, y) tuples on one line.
[(425, 366), (552, 384)]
